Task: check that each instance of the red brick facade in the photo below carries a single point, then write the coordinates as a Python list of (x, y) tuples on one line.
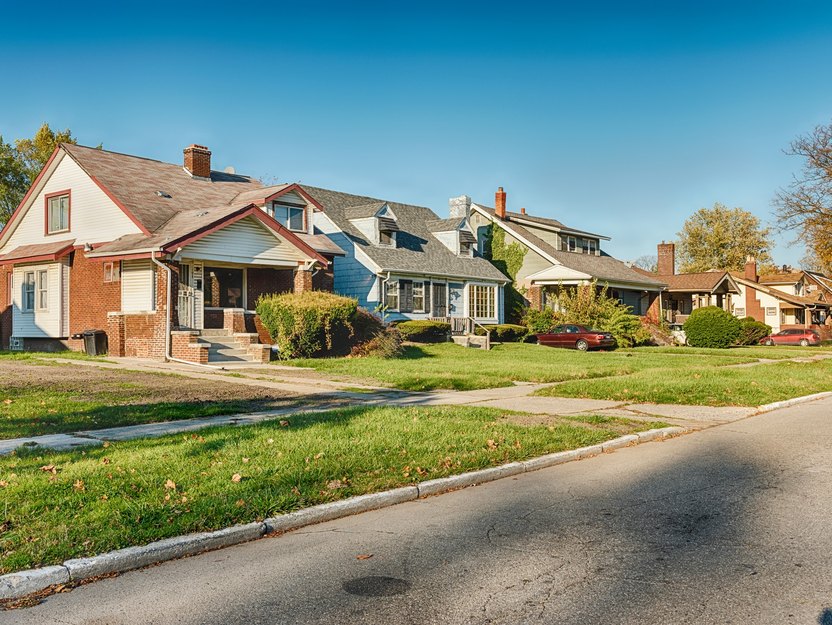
[(265, 281), (303, 280), (5, 308), (535, 296)]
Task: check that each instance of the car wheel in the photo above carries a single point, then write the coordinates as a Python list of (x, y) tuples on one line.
[(582, 345), (769, 342), (804, 343)]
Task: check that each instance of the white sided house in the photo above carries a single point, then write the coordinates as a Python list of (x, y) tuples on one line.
[(169, 260)]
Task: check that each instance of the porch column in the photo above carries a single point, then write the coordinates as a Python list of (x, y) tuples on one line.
[(535, 297), (303, 280)]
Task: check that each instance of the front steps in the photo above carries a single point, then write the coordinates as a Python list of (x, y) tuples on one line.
[(471, 340), (227, 348)]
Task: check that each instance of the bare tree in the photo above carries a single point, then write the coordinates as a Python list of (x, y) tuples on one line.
[(648, 262)]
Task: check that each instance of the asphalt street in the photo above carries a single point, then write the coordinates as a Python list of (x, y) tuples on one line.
[(726, 525)]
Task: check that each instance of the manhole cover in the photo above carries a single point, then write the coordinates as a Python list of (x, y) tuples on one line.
[(376, 586)]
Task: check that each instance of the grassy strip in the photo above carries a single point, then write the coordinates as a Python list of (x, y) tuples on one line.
[(450, 366), (37, 356), (774, 352), (60, 505), (743, 386)]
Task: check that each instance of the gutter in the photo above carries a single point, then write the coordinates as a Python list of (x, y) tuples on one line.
[(168, 355)]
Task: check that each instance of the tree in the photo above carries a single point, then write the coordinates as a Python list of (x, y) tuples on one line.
[(648, 262), (722, 238), (805, 206), (20, 165)]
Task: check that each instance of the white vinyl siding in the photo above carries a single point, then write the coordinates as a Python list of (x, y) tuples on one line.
[(246, 242), (95, 217), (39, 322), (138, 286)]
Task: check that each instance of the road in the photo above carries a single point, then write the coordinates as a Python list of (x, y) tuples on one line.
[(727, 525)]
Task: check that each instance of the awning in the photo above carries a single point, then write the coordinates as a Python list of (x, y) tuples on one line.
[(51, 251)]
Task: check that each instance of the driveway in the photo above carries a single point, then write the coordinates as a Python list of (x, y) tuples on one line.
[(727, 525)]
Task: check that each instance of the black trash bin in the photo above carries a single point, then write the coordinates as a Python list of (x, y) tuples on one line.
[(95, 342)]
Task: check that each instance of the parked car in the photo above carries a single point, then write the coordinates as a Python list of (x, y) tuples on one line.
[(577, 337), (677, 331), (794, 336)]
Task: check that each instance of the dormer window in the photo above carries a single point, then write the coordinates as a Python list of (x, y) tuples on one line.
[(571, 244), (387, 228), (288, 215), (591, 247), (386, 238)]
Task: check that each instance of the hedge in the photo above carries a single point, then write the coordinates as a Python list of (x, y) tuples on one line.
[(751, 331), (424, 331), (712, 327), (309, 324), (505, 332)]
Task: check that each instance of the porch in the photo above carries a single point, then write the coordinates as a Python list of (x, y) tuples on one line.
[(679, 306)]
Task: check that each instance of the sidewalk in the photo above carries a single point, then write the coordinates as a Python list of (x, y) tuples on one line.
[(322, 395)]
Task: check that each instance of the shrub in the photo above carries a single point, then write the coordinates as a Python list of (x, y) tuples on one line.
[(591, 307), (424, 331), (505, 332), (751, 331), (366, 326), (308, 324), (712, 327), (385, 344)]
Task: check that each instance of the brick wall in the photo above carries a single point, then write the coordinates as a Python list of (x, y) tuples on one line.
[(303, 280), (752, 305), (265, 281), (535, 296), (90, 298), (5, 308), (144, 335), (324, 279)]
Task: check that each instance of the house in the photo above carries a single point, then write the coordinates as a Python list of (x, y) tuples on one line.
[(407, 263), (786, 300), (158, 255), (556, 256), (686, 292)]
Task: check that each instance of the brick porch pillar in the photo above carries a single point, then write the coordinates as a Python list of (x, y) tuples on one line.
[(535, 296), (303, 280), (234, 319), (115, 334)]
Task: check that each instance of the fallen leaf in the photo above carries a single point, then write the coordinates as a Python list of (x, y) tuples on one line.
[(333, 484), (364, 556), (49, 468), (105, 461), (270, 441), (245, 459), (318, 456), (79, 485), (3, 483), (491, 444), (236, 478), (284, 424), (240, 503), (170, 485), (7, 401)]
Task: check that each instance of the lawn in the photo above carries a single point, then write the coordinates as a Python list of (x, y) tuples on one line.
[(59, 505), (44, 397), (648, 374)]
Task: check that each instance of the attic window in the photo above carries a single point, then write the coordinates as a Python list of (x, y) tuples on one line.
[(288, 215), (386, 237)]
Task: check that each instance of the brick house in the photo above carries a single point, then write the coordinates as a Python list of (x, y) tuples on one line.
[(558, 256), (168, 259)]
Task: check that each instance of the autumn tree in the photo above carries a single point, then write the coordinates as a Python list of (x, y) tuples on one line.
[(805, 206), (21, 163), (648, 262), (722, 238)]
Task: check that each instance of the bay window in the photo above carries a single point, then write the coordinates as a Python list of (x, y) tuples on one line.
[(481, 301)]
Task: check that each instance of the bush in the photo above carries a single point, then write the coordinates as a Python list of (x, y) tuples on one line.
[(505, 332), (308, 324), (385, 344), (712, 327), (366, 326), (751, 331), (424, 331), (591, 307)]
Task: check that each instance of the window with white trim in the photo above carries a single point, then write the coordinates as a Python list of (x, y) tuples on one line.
[(481, 301), (592, 247), (392, 296), (57, 214), (28, 301), (112, 271), (288, 215), (418, 297), (571, 244), (43, 290), (771, 311)]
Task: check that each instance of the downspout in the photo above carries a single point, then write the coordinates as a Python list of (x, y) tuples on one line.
[(168, 298)]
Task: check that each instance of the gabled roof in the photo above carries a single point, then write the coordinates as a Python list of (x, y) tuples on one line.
[(604, 268), (417, 250), (699, 282), (520, 218), (777, 294), (791, 277)]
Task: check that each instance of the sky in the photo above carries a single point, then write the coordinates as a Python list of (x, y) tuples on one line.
[(621, 118)]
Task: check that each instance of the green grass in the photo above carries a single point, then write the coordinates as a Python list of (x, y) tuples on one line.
[(707, 386), (449, 366), (36, 356), (59, 505)]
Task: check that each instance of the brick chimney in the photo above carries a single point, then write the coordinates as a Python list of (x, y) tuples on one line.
[(751, 269), (198, 161), (666, 259), (500, 203), (522, 211)]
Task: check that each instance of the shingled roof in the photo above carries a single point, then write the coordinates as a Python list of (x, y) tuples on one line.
[(700, 282), (417, 250), (604, 268)]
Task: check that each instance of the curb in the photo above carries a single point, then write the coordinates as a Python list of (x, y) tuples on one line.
[(792, 402), (22, 583)]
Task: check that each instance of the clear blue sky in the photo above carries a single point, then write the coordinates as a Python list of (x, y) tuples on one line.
[(622, 118)]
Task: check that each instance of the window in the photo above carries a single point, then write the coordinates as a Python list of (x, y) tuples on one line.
[(571, 244), (418, 297), (481, 301), (592, 246), (386, 238), (289, 216), (43, 290), (112, 271), (771, 311), (57, 213), (28, 302), (392, 299), (223, 288), (465, 249)]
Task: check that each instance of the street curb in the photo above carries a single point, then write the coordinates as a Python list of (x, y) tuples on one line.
[(22, 583), (792, 402)]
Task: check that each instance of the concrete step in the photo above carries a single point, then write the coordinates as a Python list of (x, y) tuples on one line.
[(215, 332), (471, 340)]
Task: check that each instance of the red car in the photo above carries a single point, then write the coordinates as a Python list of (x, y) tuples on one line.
[(794, 336), (577, 337)]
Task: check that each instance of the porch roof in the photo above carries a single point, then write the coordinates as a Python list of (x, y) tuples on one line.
[(37, 252)]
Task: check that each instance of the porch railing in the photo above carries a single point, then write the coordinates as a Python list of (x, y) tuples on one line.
[(186, 307), (465, 326)]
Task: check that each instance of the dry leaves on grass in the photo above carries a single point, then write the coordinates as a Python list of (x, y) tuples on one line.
[(364, 556), (236, 478), (170, 485)]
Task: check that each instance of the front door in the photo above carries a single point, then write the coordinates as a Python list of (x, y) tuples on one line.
[(439, 300), (456, 303)]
